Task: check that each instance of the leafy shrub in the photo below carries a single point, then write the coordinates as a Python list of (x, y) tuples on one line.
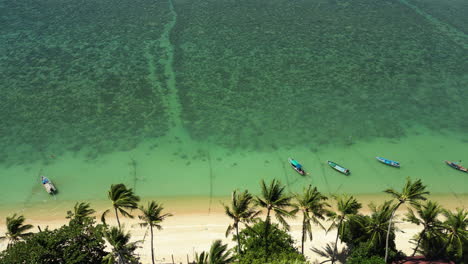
[(366, 260), (280, 248), (73, 243), (365, 253)]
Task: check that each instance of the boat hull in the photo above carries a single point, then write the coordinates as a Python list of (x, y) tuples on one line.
[(301, 171), (48, 185), (456, 166), (389, 162), (338, 168)]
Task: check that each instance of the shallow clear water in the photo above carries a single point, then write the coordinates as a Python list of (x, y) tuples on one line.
[(196, 98), (180, 169)]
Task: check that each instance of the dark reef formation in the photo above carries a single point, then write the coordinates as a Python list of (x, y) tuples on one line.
[(249, 74)]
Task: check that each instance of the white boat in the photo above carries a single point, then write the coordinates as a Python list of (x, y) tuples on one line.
[(48, 185)]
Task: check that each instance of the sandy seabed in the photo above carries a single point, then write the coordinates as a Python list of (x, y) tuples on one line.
[(197, 222)]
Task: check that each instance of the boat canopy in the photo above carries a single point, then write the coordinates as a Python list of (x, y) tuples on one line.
[(296, 164)]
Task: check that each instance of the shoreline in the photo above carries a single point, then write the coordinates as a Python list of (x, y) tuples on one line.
[(193, 227), (186, 205)]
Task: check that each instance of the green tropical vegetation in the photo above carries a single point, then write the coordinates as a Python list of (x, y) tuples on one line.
[(274, 198), (427, 215), (412, 193), (241, 210), (280, 245), (16, 229), (312, 204), (73, 243), (347, 206), (122, 199), (153, 216), (123, 251), (366, 238), (81, 211), (218, 254)]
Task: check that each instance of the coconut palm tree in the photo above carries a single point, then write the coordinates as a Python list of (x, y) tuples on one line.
[(153, 217), (412, 193), (16, 229), (122, 249), (375, 226), (273, 198), (313, 207), (218, 254), (202, 258), (122, 199), (427, 215), (241, 210), (347, 206), (456, 231), (80, 212)]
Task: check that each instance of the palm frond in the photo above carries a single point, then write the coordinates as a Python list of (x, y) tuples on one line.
[(282, 221), (229, 230), (219, 254), (103, 217)]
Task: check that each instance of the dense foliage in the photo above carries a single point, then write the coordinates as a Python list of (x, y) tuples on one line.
[(280, 245), (73, 243), (259, 241)]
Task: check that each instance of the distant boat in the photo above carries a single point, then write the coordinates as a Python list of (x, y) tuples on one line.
[(388, 162), (339, 168), (456, 166), (297, 167), (48, 185)]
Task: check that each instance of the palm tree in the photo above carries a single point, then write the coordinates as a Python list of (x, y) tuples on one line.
[(274, 199), (240, 211), (412, 192), (218, 254), (347, 206), (153, 217), (16, 230), (426, 215), (122, 248), (455, 229), (313, 207), (202, 258), (122, 198), (375, 226), (80, 212)]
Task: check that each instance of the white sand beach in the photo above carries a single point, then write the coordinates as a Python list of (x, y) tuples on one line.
[(193, 228)]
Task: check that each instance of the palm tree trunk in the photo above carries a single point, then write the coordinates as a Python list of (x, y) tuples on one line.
[(267, 225), (121, 259), (303, 235), (388, 230), (419, 241), (238, 240), (117, 215), (335, 248), (152, 247)]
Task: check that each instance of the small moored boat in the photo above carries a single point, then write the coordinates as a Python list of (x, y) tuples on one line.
[(297, 167), (388, 162), (339, 168), (48, 185), (456, 166)]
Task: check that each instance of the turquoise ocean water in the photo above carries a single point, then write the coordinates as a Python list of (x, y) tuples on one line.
[(185, 98)]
